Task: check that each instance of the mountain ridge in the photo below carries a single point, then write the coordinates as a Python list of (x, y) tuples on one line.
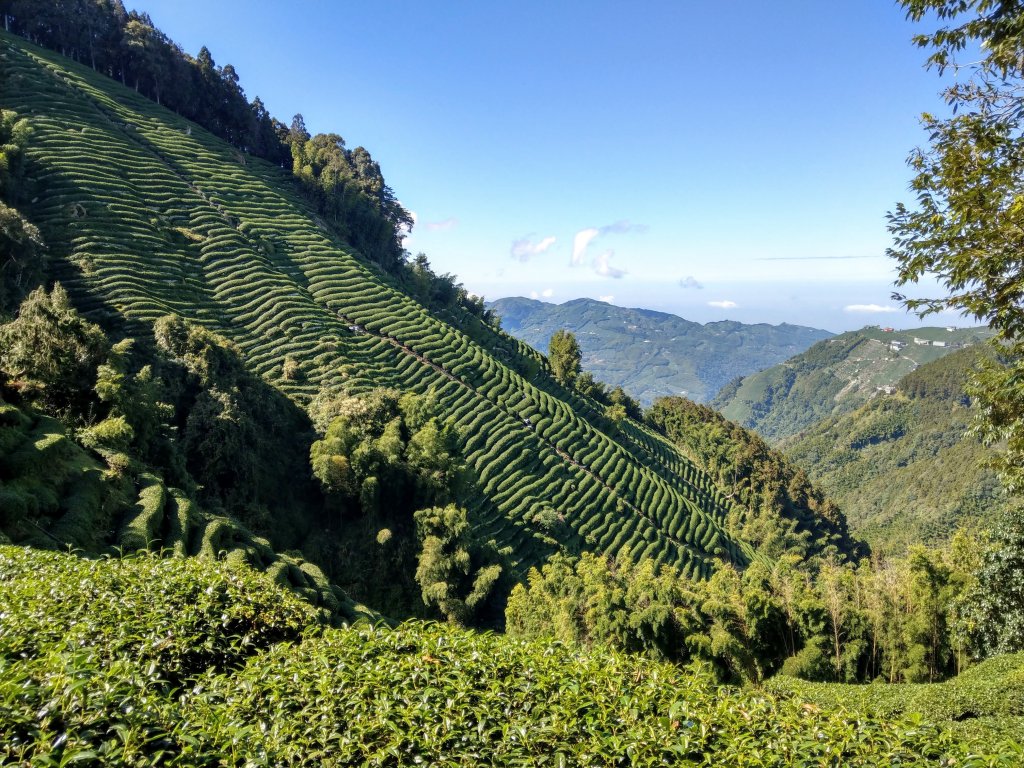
[(651, 353), (834, 376)]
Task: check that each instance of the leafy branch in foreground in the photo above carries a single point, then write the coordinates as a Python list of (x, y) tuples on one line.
[(967, 227), (967, 231)]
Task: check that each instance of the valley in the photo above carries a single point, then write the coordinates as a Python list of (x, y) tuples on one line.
[(277, 490)]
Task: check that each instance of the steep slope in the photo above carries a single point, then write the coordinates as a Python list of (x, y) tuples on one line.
[(781, 510), (902, 466), (146, 214), (834, 377), (654, 354), (55, 494)]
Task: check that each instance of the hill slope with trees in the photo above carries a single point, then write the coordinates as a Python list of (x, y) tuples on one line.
[(834, 377), (903, 466), (223, 364), (200, 259)]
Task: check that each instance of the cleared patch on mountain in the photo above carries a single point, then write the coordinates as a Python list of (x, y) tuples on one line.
[(835, 376), (655, 354)]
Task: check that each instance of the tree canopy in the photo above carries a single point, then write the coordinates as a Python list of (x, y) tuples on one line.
[(564, 355), (966, 228)]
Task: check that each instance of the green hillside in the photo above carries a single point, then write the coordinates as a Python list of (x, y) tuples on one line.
[(654, 354), (146, 215), (834, 377), (902, 466)]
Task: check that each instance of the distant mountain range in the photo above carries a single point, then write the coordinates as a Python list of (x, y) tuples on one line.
[(835, 377), (655, 354)]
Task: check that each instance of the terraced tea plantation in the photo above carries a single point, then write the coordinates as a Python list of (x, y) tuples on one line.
[(146, 214)]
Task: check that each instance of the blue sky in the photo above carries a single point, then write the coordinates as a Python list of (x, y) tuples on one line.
[(709, 159)]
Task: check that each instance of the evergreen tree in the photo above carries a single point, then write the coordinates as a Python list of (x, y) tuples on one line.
[(565, 356), (51, 352)]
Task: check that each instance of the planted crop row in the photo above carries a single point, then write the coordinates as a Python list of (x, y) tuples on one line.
[(228, 244)]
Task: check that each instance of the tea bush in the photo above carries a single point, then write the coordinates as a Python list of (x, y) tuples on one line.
[(184, 662)]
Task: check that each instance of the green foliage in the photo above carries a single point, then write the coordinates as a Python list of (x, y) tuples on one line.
[(983, 706), (256, 276), (443, 697), (962, 227), (185, 616), (382, 457), (242, 441), (898, 619), (993, 611), (349, 191), (183, 662), (21, 257), (456, 572), (21, 244), (834, 377), (564, 355), (93, 653), (389, 442), (776, 506), (903, 467), (616, 414), (51, 352)]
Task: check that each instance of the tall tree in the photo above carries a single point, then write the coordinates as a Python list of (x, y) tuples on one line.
[(455, 570), (965, 228), (994, 607), (51, 352), (565, 355)]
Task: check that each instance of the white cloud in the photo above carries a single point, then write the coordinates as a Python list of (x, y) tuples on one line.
[(524, 248), (690, 282), (871, 308), (724, 304), (585, 237), (547, 293), (580, 243), (534, 295), (441, 226), (622, 226), (606, 299), (603, 267)]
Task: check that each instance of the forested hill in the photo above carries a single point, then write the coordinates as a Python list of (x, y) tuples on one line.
[(655, 354), (237, 289), (834, 377), (902, 466)]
